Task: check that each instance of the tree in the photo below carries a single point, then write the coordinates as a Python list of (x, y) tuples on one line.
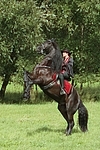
[(20, 27)]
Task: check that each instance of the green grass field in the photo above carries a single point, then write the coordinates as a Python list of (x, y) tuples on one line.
[(41, 127)]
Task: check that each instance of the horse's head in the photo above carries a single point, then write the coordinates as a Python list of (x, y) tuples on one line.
[(45, 48), (52, 51)]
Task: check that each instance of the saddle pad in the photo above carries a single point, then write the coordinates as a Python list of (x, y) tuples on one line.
[(67, 86), (54, 76)]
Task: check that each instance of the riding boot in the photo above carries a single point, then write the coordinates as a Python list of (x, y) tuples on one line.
[(62, 92), (61, 77)]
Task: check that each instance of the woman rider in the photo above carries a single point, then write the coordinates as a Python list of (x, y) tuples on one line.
[(67, 69)]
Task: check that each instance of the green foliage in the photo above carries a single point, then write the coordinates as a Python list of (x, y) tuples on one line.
[(19, 30), (20, 27)]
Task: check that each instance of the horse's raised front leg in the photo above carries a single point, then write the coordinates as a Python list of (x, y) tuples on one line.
[(29, 80), (27, 88)]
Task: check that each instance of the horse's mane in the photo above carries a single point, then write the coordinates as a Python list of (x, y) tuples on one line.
[(57, 58)]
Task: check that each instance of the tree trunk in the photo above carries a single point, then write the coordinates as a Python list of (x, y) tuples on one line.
[(4, 85)]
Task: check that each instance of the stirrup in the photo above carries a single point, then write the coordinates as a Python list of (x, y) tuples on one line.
[(62, 92)]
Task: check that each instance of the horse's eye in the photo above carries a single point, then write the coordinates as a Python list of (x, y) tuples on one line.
[(49, 42)]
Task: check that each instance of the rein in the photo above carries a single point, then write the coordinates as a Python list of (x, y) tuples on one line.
[(44, 67)]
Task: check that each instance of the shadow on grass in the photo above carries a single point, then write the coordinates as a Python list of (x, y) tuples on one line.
[(17, 98), (48, 130), (12, 98)]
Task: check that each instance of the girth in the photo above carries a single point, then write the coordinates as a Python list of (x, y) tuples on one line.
[(45, 87)]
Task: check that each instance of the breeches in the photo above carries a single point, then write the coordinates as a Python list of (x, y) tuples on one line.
[(63, 76)]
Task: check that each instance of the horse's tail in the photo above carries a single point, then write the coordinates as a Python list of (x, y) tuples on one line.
[(82, 117)]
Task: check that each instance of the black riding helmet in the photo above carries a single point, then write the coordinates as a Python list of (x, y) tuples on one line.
[(67, 51)]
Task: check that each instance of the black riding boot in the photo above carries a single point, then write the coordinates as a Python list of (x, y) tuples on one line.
[(61, 77)]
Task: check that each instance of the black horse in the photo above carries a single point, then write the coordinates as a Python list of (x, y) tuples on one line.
[(45, 75)]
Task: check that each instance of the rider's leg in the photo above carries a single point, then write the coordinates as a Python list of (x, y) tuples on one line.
[(61, 77), (66, 76)]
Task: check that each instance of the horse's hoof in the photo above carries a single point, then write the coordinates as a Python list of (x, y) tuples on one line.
[(67, 134), (25, 99)]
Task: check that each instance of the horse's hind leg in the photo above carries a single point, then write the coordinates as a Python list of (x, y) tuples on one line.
[(70, 124), (68, 117), (62, 109)]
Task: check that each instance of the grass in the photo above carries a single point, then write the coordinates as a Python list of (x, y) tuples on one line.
[(41, 127)]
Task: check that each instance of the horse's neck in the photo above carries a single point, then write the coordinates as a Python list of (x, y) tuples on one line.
[(52, 52), (46, 62), (48, 59), (52, 60)]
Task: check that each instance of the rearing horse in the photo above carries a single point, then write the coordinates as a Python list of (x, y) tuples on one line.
[(45, 75)]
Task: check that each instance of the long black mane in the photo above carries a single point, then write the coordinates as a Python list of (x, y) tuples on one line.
[(56, 64)]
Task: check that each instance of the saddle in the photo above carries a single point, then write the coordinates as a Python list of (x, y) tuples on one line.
[(67, 84)]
